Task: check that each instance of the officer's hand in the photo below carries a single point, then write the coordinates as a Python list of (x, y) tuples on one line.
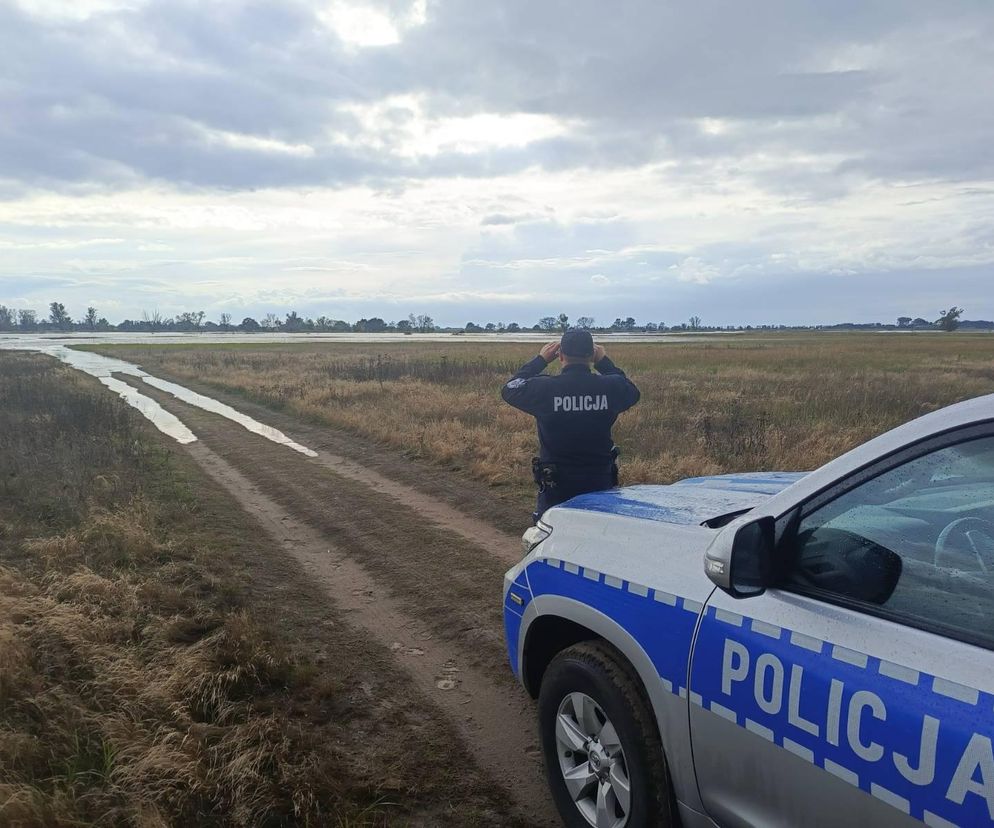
[(549, 352), (599, 353)]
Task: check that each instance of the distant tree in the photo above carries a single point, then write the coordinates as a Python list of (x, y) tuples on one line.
[(585, 322), (405, 326), (513, 327), (562, 322), (903, 321), (224, 320), (249, 325), (372, 325), (340, 326), (190, 320), (425, 323), (90, 320), (27, 320), (271, 322), (918, 322), (501, 327), (153, 320), (651, 327), (293, 323), (490, 326), (58, 317), (412, 321), (547, 323), (7, 319), (694, 323), (949, 319)]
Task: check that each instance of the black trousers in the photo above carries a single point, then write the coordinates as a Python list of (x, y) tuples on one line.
[(570, 487)]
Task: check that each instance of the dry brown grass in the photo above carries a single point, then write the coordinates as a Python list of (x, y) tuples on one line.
[(743, 403), (141, 683)]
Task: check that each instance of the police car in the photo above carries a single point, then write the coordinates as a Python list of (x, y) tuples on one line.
[(772, 649)]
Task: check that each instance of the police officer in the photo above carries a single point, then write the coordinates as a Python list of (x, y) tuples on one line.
[(575, 411)]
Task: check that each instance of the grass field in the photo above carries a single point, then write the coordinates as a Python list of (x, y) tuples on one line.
[(746, 403), (143, 681)]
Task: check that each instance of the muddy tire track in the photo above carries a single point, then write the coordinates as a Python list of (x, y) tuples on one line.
[(452, 584), (502, 510), (428, 595), (499, 544)]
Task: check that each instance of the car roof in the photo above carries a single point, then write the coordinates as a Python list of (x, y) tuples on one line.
[(959, 415)]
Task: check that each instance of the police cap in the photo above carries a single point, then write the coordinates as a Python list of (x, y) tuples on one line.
[(577, 343)]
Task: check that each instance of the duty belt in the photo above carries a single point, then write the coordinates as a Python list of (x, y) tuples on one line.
[(547, 474)]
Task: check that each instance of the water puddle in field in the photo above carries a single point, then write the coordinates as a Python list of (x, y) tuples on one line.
[(104, 368), (210, 404), (160, 418)]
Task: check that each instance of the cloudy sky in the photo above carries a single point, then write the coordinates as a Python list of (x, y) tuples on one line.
[(772, 161)]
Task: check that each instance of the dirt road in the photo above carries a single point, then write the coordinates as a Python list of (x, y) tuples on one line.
[(409, 568)]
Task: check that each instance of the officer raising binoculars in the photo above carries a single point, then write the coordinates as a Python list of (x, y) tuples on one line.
[(575, 411)]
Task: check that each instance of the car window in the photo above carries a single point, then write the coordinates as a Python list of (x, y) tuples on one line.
[(915, 543)]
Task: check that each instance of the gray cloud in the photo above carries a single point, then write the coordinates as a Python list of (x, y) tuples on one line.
[(718, 150), (150, 93)]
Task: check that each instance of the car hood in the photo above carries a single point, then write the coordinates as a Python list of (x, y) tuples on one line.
[(688, 502)]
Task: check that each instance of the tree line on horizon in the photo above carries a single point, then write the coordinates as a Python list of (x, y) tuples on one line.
[(59, 319)]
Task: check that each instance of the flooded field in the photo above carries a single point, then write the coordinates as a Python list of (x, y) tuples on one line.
[(64, 348), (109, 370), (750, 402)]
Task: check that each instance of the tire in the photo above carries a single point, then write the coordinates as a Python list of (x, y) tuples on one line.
[(586, 687)]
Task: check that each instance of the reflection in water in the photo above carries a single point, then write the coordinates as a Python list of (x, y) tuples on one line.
[(161, 419), (103, 368), (212, 405)]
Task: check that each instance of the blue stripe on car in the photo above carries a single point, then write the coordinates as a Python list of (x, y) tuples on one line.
[(869, 722)]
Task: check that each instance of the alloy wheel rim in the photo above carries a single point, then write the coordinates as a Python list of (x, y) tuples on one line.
[(592, 762)]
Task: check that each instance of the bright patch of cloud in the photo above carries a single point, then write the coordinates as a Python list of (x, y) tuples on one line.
[(402, 124), (713, 126), (74, 10), (693, 269), (253, 143), (364, 25)]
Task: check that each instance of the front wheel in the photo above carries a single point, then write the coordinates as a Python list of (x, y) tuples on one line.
[(602, 752)]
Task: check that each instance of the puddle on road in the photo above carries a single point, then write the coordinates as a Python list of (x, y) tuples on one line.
[(160, 418), (103, 368), (215, 407)]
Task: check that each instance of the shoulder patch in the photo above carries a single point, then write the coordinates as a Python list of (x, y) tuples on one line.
[(516, 383)]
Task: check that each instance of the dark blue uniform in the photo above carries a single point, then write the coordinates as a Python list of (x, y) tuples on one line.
[(575, 411)]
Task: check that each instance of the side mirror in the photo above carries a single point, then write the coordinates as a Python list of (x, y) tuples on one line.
[(844, 563), (740, 558)]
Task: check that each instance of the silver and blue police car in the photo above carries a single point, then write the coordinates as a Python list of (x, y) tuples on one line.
[(772, 649)]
